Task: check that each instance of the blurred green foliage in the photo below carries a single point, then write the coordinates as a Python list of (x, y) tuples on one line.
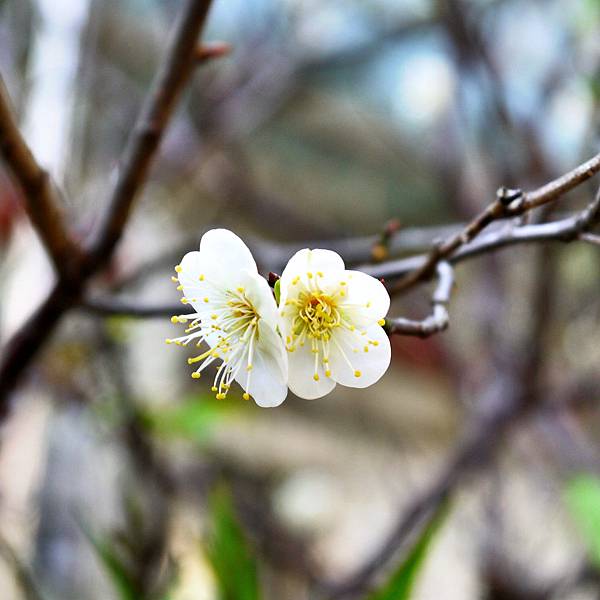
[(402, 581), (193, 419), (229, 552), (107, 553), (582, 496)]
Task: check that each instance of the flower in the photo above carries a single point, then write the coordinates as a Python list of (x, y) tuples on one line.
[(331, 321), (236, 315)]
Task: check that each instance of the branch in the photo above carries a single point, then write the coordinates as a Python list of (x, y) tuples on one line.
[(151, 124), (507, 204), (439, 319), (158, 108), (564, 230), (39, 197)]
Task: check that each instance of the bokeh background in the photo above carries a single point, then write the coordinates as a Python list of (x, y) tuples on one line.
[(325, 121)]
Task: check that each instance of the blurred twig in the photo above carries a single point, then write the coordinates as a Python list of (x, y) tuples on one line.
[(39, 197), (138, 155)]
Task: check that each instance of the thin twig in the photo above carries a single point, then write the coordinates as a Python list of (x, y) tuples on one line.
[(40, 199), (564, 230), (505, 206), (439, 319)]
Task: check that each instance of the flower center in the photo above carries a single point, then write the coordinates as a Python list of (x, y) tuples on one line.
[(317, 314), (230, 327)]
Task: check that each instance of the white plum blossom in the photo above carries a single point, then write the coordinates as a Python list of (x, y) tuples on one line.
[(236, 316), (331, 320)]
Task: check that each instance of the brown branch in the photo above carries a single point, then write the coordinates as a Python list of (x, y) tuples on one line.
[(564, 230), (151, 124), (506, 205), (155, 114), (39, 197), (439, 319)]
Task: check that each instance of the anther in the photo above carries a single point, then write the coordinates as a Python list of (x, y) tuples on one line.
[(246, 396), (316, 377), (381, 322), (196, 375), (178, 268), (357, 373)]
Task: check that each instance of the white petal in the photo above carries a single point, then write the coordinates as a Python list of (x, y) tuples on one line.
[(225, 252), (301, 370), (367, 293), (268, 379), (309, 261), (258, 291), (371, 365)]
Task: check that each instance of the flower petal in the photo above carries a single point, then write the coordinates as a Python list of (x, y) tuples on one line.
[(309, 261), (370, 364), (301, 370), (268, 378), (367, 293), (221, 264), (225, 252), (258, 291)]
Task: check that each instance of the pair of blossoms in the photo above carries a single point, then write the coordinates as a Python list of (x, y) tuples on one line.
[(325, 327)]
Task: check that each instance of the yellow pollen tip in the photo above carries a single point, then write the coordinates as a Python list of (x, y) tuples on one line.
[(316, 377), (320, 273), (366, 348), (240, 290), (206, 300), (249, 368), (381, 322), (168, 341), (174, 279), (184, 300), (213, 389), (295, 280), (328, 373), (343, 283), (201, 278), (179, 288), (178, 268), (357, 373), (174, 319), (309, 274), (196, 375), (221, 396), (246, 396)]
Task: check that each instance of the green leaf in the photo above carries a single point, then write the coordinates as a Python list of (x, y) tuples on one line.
[(233, 561), (194, 419), (112, 563), (277, 290), (401, 583), (582, 496)]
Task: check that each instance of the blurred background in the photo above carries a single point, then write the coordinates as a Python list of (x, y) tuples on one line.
[(123, 478)]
